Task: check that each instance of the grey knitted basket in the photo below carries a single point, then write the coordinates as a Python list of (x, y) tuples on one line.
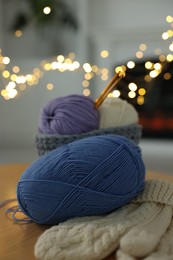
[(46, 142)]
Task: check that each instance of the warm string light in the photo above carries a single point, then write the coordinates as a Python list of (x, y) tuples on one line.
[(155, 69), (59, 63), (130, 64), (15, 82), (104, 53), (47, 10), (140, 52), (138, 92)]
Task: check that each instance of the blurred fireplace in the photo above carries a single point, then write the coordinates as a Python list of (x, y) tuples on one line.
[(153, 97)]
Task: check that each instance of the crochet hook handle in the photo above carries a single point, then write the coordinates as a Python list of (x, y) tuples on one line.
[(111, 85)]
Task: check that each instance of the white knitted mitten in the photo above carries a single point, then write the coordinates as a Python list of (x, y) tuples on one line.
[(164, 251), (89, 238), (137, 228), (143, 239)]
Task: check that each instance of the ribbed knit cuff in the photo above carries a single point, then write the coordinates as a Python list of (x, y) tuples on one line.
[(156, 191)]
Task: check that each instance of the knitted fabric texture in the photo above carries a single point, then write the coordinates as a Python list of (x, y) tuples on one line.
[(46, 143), (142, 228)]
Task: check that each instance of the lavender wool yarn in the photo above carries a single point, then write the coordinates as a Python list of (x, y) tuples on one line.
[(73, 114), (91, 176)]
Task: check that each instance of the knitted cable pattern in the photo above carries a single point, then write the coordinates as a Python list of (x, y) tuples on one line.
[(45, 143), (142, 228)]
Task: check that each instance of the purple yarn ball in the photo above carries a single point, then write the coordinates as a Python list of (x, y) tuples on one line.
[(73, 114)]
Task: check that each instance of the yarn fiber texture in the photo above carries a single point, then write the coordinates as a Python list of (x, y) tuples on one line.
[(73, 114), (91, 176), (116, 112), (141, 229), (46, 142)]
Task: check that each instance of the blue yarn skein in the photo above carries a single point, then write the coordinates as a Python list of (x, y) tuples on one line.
[(91, 176)]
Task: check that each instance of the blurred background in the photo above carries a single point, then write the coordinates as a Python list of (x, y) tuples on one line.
[(55, 47)]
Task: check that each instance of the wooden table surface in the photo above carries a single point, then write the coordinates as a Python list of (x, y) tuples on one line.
[(17, 240)]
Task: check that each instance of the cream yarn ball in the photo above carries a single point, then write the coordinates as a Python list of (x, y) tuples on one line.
[(116, 112)]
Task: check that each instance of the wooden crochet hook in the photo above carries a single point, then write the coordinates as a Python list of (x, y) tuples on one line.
[(111, 85)]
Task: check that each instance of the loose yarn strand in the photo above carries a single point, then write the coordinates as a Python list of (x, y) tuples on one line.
[(15, 210), (5, 202)]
